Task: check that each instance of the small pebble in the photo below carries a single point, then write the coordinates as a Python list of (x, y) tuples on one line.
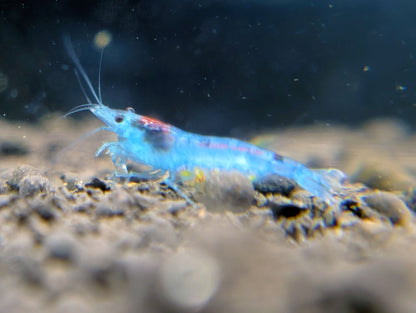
[(380, 176), (45, 212), (227, 191), (28, 180), (189, 279), (71, 182), (285, 210), (275, 184), (390, 206), (104, 210), (20, 172), (348, 219), (160, 232), (98, 184), (108, 274), (10, 148), (7, 200), (32, 185), (31, 270), (61, 246)]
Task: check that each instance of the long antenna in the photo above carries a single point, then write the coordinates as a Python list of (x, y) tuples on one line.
[(73, 56), (99, 75), (82, 86)]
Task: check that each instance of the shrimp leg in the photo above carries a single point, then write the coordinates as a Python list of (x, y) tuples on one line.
[(170, 182), (113, 149)]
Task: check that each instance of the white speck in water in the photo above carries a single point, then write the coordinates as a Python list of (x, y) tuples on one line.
[(24, 136), (243, 98), (40, 71), (181, 91), (155, 39), (133, 10), (137, 37), (18, 126), (4, 114), (53, 43), (64, 67)]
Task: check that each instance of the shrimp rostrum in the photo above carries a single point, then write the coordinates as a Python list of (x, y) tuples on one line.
[(169, 151)]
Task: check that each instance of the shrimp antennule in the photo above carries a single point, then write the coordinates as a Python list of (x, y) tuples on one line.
[(79, 108), (73, 56), (78, 140)]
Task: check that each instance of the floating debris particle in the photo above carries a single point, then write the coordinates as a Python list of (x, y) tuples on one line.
[(102, 39)]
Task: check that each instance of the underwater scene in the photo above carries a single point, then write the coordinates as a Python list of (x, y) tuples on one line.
[(208, 156)]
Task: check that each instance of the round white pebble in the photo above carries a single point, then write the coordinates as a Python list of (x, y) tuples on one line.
[(189, 279)]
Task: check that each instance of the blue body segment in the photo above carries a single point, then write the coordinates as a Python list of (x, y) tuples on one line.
[(169, 149)]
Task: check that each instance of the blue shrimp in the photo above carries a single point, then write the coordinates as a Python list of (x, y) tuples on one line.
[(169, 151)]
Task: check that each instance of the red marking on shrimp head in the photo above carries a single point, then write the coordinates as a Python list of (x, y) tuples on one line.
[(153, 124)]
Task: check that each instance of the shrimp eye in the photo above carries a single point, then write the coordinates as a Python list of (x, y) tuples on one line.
[(130, 109), (119, 118)]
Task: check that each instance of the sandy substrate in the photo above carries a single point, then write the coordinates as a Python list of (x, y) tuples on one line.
[(73, 241)]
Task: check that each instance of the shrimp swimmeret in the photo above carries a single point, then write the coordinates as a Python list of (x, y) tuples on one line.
[(170, 151)]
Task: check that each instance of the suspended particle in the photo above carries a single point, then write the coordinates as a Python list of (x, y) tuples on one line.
[(401, 88), (102, 39), (366, 68)]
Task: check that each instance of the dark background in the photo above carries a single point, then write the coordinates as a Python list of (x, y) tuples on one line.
[(215, 67)]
